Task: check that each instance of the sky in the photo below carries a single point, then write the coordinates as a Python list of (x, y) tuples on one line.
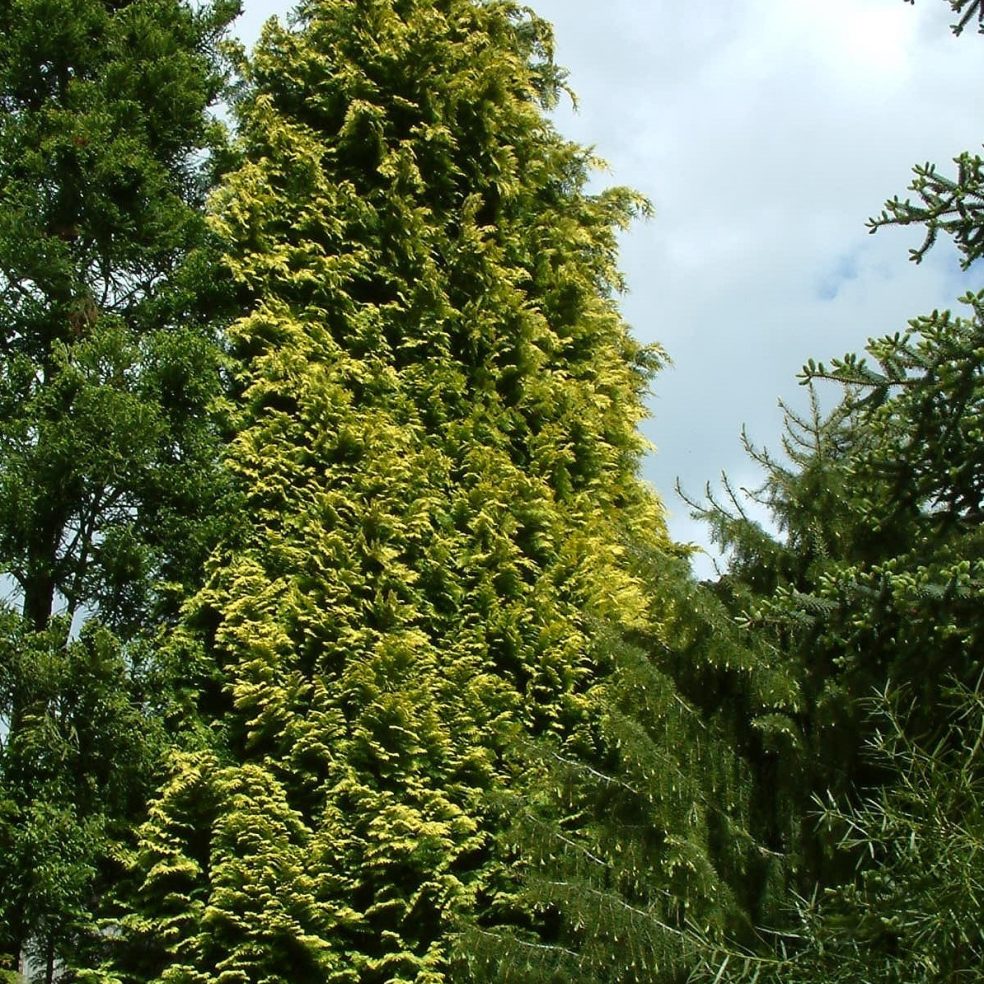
[(765, 133)]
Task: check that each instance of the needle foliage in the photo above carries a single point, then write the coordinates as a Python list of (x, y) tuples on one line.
[(436, 439)]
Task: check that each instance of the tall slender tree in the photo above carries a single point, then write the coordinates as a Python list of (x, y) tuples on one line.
[(437, 437)]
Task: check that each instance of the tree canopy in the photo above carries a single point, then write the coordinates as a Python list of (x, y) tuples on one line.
[(435, 435), (108, 451)]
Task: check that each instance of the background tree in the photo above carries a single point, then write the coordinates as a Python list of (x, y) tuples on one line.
[(775, 586), (108, 455), (106, 362), (74, 776), (883, 596), (665, 827), (913, 912)]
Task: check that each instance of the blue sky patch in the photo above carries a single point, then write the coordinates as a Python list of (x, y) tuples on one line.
[(843, 271)]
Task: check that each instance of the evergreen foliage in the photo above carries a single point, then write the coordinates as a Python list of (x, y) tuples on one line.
[(656, 833), (443, 702), (436, 438), (74, 777), (875, 586), (108, 455), (877, 578), (103, 269), (914, 913)]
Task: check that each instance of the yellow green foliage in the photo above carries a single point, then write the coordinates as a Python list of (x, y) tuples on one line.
[(436, 440)]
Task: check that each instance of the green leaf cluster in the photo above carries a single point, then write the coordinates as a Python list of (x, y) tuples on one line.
[(76, 763)]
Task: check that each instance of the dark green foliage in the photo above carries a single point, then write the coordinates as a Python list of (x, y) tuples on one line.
[(109, 475), (966, 11), (906, 619), (773, 586), (924, 406), (878, 577), (74, 774), (104, 370), (913, 914), (653, 830)]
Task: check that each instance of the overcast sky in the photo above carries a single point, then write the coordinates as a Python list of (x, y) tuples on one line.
[(765, 132)]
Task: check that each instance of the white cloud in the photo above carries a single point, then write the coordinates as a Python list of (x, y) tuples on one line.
[(850, 42), (765, 144)]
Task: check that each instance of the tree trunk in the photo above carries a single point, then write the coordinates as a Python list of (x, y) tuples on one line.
[(49, 969), (42, 559), (39, 599)]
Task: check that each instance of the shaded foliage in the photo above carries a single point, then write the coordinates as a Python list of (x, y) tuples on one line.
[(109, 483), (655, 831)]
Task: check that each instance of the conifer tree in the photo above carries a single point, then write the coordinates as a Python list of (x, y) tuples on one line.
[(913, 911), (105, 363), (108, 475), (436, 439), (876, 577), (664, 828), (877, 589)]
